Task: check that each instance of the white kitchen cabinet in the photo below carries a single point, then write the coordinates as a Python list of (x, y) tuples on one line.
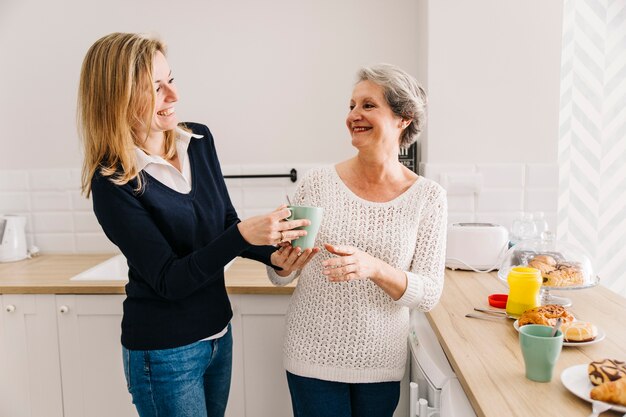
[(259, 384), (30, 382), (60, 356), (91, 356)]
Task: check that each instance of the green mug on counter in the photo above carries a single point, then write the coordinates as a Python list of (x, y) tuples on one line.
[(540, 350), (314, 215)]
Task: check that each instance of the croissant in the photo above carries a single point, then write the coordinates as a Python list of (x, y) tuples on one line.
[(611, 392)]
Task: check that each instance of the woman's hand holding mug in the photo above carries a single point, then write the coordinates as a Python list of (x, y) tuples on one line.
[(272, 229)]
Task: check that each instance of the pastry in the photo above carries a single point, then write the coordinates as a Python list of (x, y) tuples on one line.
[(557, 274), (543, 267), (606, 370), (563, 276), (611, 392), (579, 331), (545, 259), (545, 315)]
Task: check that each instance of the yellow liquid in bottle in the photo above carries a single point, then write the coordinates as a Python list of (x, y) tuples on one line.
[(524, 286)]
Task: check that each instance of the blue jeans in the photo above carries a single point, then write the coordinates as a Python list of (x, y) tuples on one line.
[(188, 381), (312, 397)]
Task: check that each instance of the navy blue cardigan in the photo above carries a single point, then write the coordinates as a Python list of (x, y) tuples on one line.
[(177, 246)]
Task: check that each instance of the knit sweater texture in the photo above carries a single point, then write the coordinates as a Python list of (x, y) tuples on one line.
[(177, 246), (353, 331)]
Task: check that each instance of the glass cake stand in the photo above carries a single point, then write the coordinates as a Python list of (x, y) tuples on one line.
[(564, 266)]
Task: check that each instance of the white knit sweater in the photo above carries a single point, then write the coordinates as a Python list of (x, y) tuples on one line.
[(353, 331)]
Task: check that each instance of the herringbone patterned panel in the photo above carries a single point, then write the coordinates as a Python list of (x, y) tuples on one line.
[(592, 135)]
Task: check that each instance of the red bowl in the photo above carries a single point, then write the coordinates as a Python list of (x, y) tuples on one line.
[(498, 300)]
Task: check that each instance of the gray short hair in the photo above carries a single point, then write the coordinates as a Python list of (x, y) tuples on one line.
[(404, 95)]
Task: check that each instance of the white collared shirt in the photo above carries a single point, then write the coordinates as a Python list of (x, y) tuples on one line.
[(168, 175), (165, 172)]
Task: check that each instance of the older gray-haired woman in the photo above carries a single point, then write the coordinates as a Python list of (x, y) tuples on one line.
[(384, 232)]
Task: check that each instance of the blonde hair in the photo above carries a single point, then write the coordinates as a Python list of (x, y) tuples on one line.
[(404, 95), (115, 97)]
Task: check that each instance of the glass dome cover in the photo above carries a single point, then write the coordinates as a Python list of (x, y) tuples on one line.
[(563, 265)]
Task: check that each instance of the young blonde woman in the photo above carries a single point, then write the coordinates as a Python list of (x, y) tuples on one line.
[(347, 325), (159, 195)]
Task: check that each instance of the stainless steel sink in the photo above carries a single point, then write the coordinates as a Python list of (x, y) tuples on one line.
[(114, 269)]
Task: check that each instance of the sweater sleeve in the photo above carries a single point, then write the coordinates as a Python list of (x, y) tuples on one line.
[(425, 276), (257, 253), (132, 228), (129, 226)]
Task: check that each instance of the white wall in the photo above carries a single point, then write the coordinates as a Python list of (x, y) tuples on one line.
[(272, 79), (493, 80)]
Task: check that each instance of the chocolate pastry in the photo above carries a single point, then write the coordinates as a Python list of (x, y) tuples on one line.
[(606, 370)]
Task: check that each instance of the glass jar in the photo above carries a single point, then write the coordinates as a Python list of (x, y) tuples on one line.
[(524, 286), (523, 229)]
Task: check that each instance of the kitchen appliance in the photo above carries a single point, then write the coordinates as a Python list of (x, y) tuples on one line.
[(476, 246), (12, 238), (439, 391)]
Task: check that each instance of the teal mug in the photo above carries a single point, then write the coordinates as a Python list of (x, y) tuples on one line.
[(314, 215), (540, 351)]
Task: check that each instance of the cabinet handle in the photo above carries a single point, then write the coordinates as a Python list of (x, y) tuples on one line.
[(10, 308), (64, 309)]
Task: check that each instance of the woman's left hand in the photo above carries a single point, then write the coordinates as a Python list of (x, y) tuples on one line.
[(351, 263), (291, 259)]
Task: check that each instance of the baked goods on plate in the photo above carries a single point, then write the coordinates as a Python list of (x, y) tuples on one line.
[(606, 370), (546, 315), (575, 333), (576, 380), (579, 331), (609, 376), (613, 392), (557, 274), (562, 265)]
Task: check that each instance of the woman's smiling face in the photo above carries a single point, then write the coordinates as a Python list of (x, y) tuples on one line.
[(370, 120), (166, 95)]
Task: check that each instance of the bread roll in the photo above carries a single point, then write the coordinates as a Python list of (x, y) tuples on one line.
[(579, 331), (606, 370), (543, 267), (546, 259), (611, 392), (545, 315)]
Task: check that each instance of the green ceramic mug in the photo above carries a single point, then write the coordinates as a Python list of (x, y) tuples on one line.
[(314, 215), (540, 351)]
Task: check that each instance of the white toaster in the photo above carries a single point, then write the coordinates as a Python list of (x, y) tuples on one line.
[(476, 246)]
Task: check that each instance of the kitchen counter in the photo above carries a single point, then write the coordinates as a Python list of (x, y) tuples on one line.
[(485, 354), (487, 359), (50, 274)]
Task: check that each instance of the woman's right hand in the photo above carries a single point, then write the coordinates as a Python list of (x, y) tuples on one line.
[(272, 228), (291, 259)]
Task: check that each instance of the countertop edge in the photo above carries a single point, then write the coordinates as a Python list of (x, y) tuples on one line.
[(48, 274)]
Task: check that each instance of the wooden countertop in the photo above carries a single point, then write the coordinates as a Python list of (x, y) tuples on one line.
[(486, 356), (50, 274)]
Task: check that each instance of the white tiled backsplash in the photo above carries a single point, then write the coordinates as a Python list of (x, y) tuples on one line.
[(504, 191), (60, 220)]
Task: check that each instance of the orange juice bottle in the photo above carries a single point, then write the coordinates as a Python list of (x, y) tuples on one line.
[(524, 286)]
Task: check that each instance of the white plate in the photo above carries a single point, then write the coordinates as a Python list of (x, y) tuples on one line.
[(576, 380), (600, 337)]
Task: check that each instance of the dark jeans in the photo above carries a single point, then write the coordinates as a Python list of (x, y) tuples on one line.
[(312, 397), (188, 381)]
